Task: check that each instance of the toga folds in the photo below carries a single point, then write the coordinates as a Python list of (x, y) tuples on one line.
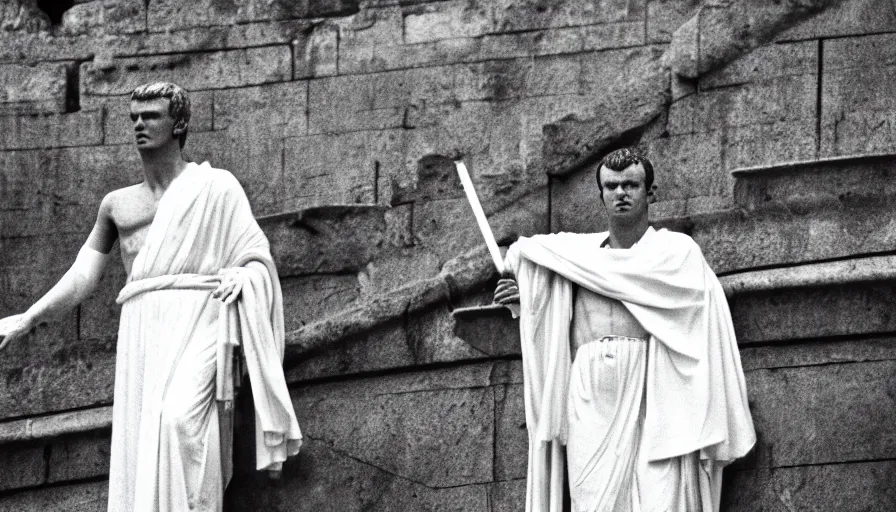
[(694, 397), (174, 376)]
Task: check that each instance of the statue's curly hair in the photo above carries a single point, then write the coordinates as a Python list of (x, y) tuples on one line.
[(620, 159)]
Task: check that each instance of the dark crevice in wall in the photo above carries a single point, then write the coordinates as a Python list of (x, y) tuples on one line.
[(818, 105), (872, 336), (73, 87), (376, 182), (54, 9), (802, 263)]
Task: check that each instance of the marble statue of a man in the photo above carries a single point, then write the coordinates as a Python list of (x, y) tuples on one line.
[(629, 358), (201, 280)]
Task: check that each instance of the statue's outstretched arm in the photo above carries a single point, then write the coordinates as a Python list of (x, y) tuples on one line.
[(75, 285)]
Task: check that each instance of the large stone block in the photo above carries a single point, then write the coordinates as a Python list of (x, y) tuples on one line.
[(363, 57), (83, 128), (459, 19), (383, 347), (309, 298), (575, 203), (790, 99), (446, 227), (79, 457), (35, 89), (433, 434), (509, 496), (685, 166), (810, 353), (813, 312), (341, 168), (64, 183), (325, 240), (858, 95), (170, 15), (511, 435), (275, 109), (855, 487), (204, 70), (327, 479), (845, 413), (86, 497), (25, 466), (56, 371), (764, 64)]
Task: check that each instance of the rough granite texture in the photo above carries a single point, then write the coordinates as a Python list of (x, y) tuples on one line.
[(342, 119)]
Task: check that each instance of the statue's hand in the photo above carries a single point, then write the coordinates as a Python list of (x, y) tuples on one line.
[(14, 327), (507, 292), (231, 284)]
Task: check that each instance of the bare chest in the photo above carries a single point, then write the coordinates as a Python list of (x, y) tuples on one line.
[(595, 316), (133, 215)]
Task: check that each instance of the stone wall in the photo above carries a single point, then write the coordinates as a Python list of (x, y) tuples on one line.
[(341, 119)]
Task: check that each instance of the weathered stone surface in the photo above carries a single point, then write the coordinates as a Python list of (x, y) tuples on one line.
[(432, 338), (845, 18), (509, 496), (206, 70), (570, 143), (89, 497), (119, 129), (324, 478), (361, 56), (22, 15), (277, 109), (511, 436), (665, 16), (341, 168), (575, 202), (802, 212), (728, 30), (814, 312), (324, 239), (818, 353), (56, 371), (853, 487), (686, 166), (318, 54), (83, 128), (764, 64), (58, 184), (459, 19), (845, 413), (384, 346), (79, 457), (98, 315), (857, 93), (170, 15), (24, 466), (35, 89), (388, 273), (311, 297), (432, 435)]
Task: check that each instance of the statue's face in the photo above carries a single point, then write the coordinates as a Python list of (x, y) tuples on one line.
[(153, 125), (625, 194)]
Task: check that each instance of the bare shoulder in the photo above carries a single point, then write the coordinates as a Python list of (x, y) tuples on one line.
[(122, 200)]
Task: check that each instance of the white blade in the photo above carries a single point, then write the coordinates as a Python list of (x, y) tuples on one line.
[(484, 228)]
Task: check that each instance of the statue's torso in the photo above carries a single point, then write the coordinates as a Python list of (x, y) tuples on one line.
[(133, 210), (595, 316)]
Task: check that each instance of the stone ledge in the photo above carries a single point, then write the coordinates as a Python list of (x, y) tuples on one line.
[(829, 273), (54, 425)]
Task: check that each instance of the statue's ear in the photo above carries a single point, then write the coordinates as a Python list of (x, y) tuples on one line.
[(651, 194), (180, 127)]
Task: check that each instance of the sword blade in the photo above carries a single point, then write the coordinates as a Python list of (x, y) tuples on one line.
[(484, 228)]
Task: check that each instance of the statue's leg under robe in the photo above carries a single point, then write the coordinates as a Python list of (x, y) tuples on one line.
[(608, 471), (166, 434)]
